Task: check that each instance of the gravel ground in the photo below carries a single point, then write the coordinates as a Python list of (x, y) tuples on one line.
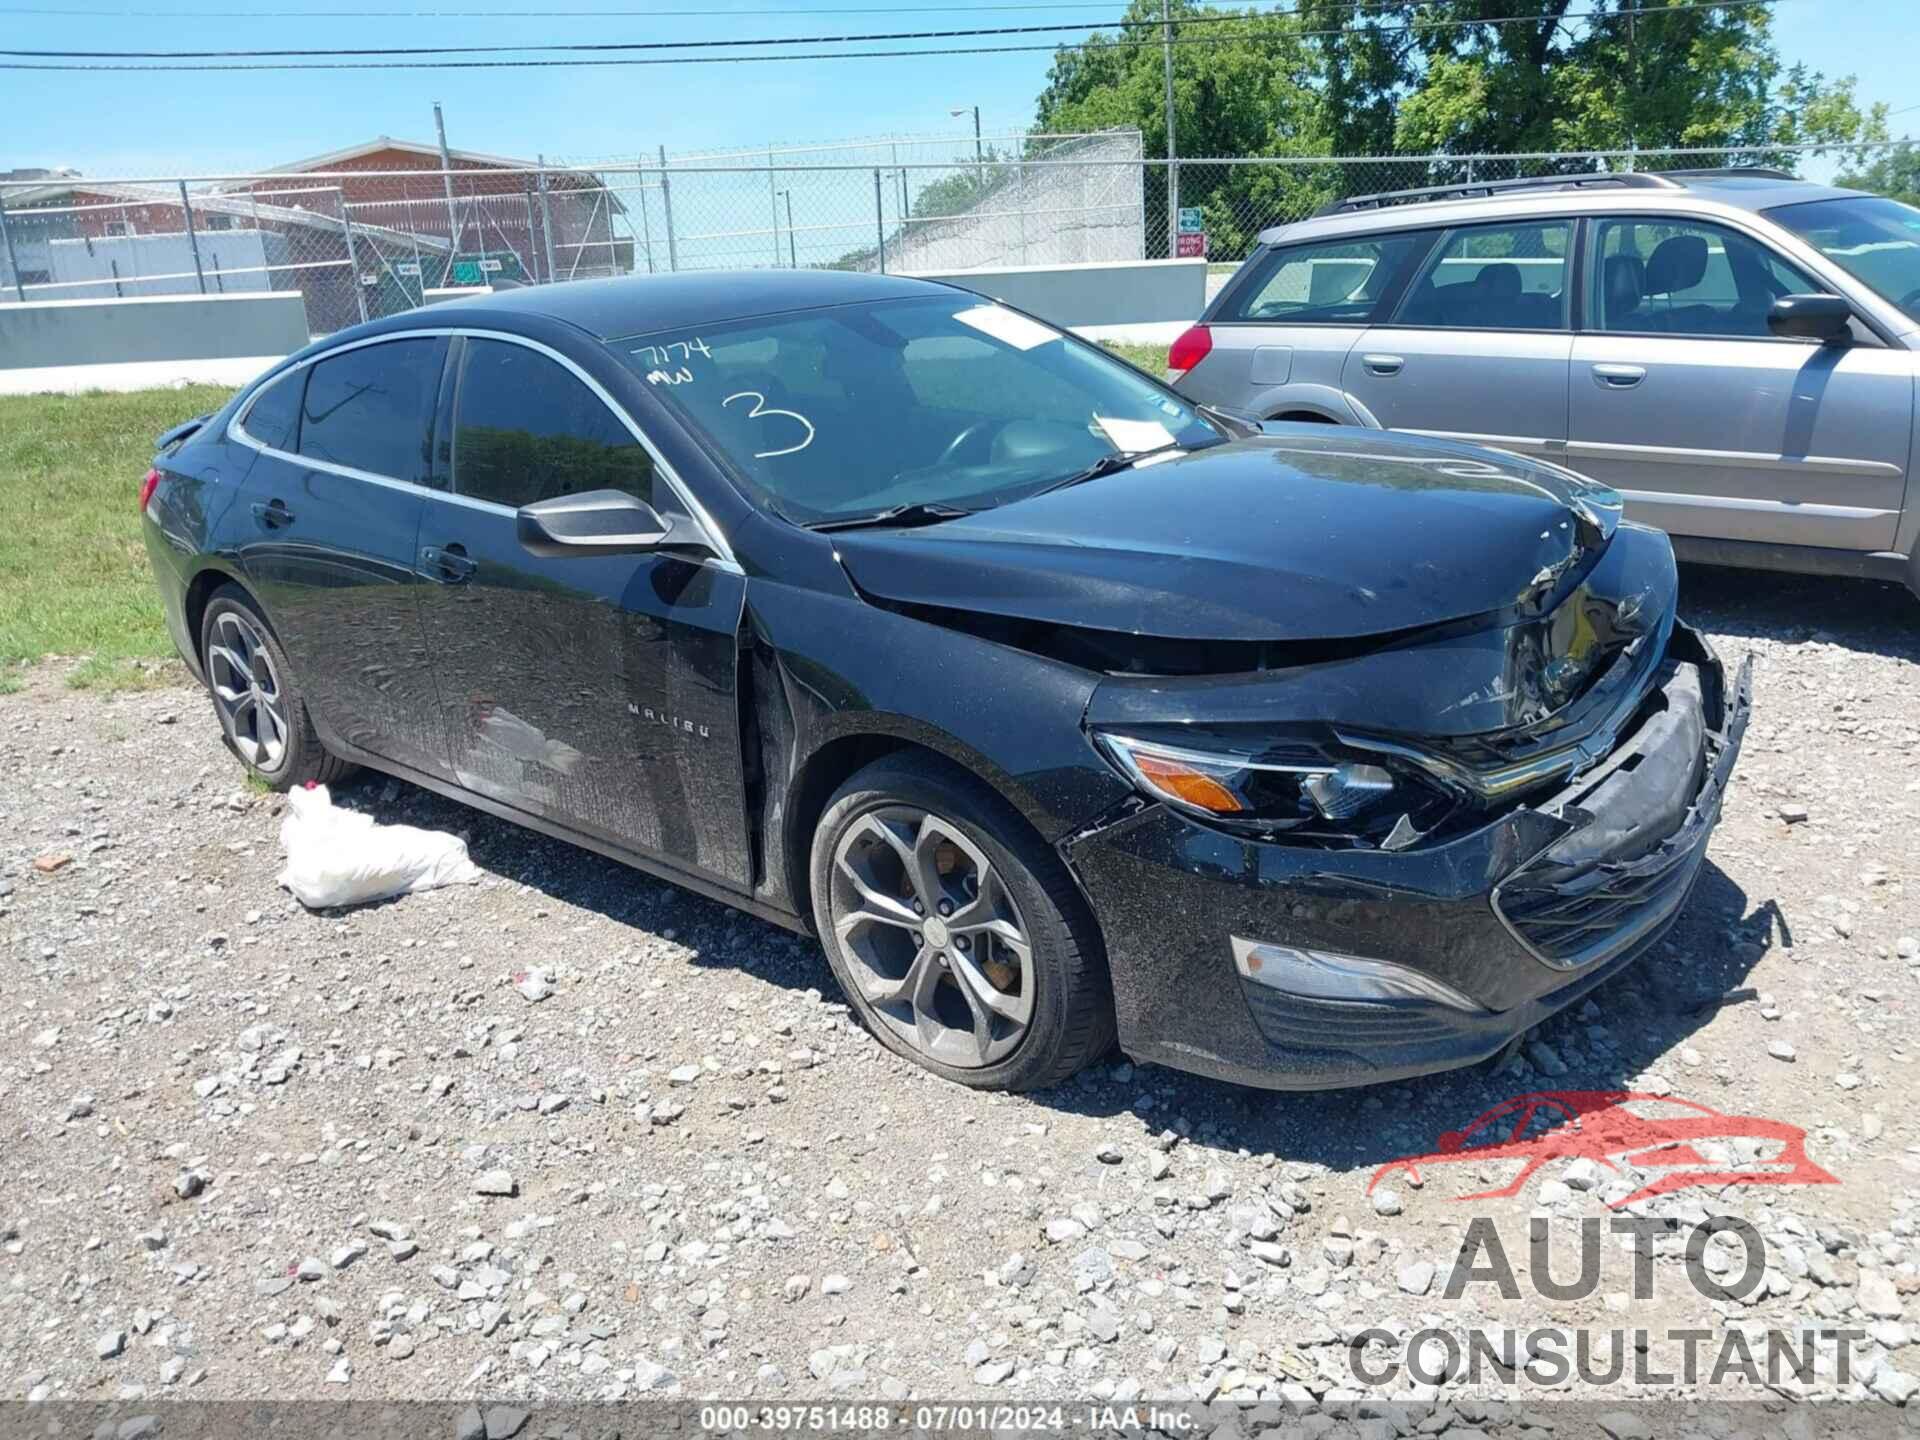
[(573, 1133)]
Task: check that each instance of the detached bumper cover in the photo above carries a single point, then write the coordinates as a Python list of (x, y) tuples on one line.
[(1522, 917)]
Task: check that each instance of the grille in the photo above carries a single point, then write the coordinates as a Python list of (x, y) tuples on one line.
[(1302, 1023), (1611, 906)]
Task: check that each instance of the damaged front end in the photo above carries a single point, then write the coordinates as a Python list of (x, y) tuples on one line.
[(1393, 863)]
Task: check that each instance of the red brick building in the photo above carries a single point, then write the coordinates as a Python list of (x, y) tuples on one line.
[(569, 225)]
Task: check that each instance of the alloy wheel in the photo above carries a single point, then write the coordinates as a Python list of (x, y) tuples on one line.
[(246, 690), (933, 936)]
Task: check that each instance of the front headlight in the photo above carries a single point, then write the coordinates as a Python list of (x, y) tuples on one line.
[(1259, 789)]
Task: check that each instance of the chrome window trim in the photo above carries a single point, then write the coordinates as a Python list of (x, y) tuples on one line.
[(236, 431)]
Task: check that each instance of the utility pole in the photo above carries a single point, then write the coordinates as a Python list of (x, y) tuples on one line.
[(446, 179), (1173, 153)]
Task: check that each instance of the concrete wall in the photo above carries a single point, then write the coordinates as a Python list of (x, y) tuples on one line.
[(164, 327), (1121, 292), (435, 294), (233, 261)]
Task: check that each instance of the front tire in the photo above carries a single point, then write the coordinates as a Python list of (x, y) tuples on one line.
[(955, 930), (262, 711)]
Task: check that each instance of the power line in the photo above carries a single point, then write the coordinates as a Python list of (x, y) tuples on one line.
[(950, 34), (361, 63), (600, 46), (707, 14)]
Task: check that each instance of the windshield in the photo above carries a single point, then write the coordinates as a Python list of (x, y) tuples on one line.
[(841, 413), (1874, 240)]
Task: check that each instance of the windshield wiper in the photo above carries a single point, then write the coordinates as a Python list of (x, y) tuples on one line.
[(900, 515), (1107, 465)]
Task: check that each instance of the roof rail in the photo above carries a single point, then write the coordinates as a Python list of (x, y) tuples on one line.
[(1766, 172), (1634, 180)]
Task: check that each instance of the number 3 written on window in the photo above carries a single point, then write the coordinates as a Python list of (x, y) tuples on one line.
[(762, 409)]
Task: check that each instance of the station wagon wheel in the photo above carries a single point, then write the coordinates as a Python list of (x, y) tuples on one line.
[(246, 690), (955, 930), (256, 696), (939, 947)]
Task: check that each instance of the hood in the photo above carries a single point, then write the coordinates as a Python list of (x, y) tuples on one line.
[(1274, 538)]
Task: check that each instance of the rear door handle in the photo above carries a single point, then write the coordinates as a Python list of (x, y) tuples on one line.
[(448, 564), (273, 514), (1618, 377), (1382, 365)]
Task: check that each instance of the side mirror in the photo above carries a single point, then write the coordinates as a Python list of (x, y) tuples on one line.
[(597, 522), (1826, 318)]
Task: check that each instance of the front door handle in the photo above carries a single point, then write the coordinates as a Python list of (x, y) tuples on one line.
[(1382, 365), (448, 564), (1618, 377), (273, 514)]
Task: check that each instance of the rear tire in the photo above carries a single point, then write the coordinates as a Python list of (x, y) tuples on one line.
[(955, 931), (256, 698)]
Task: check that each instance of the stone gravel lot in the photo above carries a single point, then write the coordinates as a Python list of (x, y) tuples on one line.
[(572, 1133)]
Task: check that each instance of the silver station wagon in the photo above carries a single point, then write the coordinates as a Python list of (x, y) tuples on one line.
[(1732, 350)]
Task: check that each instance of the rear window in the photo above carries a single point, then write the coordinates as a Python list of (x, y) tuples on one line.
[(1509, 276), (274, 417), (370, 409), (1330, 282), (525, 430)]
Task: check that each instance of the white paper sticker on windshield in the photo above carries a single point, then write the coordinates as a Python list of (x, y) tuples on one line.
[(1016, 330), (1133, 436)]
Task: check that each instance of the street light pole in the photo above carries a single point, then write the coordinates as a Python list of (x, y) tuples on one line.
[(1173, 154), (446, 181), (979, 153)]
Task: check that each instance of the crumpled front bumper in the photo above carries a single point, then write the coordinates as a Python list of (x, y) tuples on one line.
[(1519, 918)]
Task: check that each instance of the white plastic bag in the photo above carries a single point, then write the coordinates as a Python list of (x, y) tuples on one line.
[(341, 857)]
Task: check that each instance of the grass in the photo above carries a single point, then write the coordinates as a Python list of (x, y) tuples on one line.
[(1150, 358), (74, 578)]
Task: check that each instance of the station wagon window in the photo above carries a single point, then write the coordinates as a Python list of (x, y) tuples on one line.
[(1667, 276), (274, 417), (1875, 240), (1334, 282), (370, 408), (1494, 277), (526, 430)]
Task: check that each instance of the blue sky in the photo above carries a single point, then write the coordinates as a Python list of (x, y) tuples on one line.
[(147, 124)]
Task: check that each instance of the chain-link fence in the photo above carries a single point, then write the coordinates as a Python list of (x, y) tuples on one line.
[(372, 238), (1229, 202)]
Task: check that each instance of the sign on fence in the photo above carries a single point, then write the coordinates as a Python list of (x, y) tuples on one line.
[(1190, 246), (1193, 220)]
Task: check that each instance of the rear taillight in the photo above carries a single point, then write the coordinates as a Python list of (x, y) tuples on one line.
[(147, 487), (1189, 350)]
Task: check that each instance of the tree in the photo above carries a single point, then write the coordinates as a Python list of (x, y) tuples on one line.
[(1896, 173), (1247, 85), (1614, 77), (1440, 77)]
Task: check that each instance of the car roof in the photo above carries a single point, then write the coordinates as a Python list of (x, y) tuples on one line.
[(1702, 191), (641, 304)]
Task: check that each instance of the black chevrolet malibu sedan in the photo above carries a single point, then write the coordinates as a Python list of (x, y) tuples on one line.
[(1061, 710)]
